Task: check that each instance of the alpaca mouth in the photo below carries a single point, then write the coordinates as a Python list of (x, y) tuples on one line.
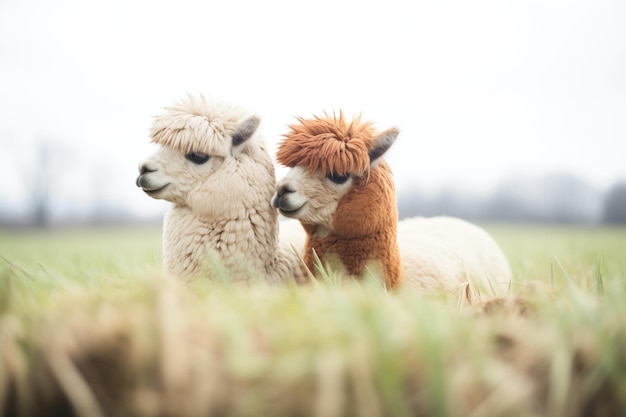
[(290, 212), (147, 187), (155, 190), (284, 202)]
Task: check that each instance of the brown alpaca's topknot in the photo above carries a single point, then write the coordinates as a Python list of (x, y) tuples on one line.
[(328, 144)]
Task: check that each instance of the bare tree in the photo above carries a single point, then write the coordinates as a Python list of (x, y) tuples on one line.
[(42, 179)]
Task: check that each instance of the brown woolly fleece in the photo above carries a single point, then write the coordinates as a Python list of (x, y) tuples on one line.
[(366, 220), (328, 144)]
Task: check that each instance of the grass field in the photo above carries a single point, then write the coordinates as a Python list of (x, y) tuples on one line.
[(89, 327)]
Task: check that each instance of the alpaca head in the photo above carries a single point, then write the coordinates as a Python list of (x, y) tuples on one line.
[(338, 180), (209, 160)]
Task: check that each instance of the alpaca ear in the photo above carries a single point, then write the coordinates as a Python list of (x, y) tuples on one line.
[(245, 130), (382, 144)]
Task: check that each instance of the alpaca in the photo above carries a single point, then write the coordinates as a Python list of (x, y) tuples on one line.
[(342, 191), (214, 169)]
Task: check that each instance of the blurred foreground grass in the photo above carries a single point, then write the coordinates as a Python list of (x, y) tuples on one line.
[(89, 327)]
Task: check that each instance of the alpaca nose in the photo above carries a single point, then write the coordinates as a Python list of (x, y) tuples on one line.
[(280, 192), (283, 189), (145, 167)]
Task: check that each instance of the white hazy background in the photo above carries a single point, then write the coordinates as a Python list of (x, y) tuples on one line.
[(480, 90)]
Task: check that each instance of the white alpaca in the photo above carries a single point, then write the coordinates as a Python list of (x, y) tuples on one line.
[(343, 194), (215, 170)]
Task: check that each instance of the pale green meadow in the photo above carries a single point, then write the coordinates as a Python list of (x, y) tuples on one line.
[(90, 327)]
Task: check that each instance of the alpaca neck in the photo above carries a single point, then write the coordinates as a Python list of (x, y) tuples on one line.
[(243, 245), (377, 253), (364, 231)]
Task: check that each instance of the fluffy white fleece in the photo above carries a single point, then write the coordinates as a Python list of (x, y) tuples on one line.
[(444, 254), (221, 207)]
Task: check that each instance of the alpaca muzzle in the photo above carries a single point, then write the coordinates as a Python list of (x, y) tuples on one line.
[(283, 200), (143, 181)]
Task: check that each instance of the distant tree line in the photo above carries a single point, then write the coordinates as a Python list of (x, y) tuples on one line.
[(562, 199), (557, 199)]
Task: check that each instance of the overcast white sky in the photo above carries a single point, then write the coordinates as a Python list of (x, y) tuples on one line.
[(481, 90)]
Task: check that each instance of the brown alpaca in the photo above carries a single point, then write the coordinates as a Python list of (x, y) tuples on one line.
[(353, 216)]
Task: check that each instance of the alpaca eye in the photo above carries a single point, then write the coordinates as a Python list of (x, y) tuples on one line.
[(197, 157), (336, 178)]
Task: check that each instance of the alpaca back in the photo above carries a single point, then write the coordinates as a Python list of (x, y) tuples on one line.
[(440, 254)]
